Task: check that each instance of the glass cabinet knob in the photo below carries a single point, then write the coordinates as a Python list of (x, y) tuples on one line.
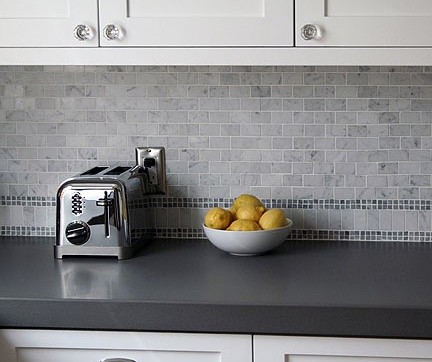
[(310, 31), (112, 32), (83, 32)]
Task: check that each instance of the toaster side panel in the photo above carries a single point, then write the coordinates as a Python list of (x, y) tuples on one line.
[(99, 211)]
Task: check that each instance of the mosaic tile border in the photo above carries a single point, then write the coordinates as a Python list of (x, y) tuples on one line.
[(368, 235), (27, 231), (27, 201), (328, 204), (333, 235), (171, 202), (185, 233)]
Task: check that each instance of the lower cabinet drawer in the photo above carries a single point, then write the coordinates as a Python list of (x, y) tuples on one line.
[(82, 355), (329, 349), (96, 346)]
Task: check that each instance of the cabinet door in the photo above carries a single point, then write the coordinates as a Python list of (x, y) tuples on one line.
[(203, 23), (80, 346), (326, 349), (395, 23), (46, 23)]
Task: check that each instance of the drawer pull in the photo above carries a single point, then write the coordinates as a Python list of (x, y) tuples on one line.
[(83, 32), (117, 360), (310, 31), (113, 32)]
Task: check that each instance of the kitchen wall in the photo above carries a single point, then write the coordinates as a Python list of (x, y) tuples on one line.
[(345, 150)]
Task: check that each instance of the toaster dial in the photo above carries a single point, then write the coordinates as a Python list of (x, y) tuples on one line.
[(77, 232)]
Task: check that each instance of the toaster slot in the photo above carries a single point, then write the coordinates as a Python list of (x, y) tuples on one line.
[(107, 204), (94, 170), (117, 170)]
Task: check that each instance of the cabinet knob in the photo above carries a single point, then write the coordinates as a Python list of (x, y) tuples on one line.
[(112, 32), (83, 32), (117, 360), (310, 31)]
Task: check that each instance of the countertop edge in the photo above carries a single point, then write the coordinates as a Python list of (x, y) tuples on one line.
[(211, 318)]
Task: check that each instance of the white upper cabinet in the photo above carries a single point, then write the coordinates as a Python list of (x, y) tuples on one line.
[(210, 32), (365, 23), (48, 23), (196, 23)]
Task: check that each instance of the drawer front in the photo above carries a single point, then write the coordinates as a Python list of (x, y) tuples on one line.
[(47, 23), (203, 23), (83, 355), (366, 23), (96, 346), (327, 349), (353, 359)]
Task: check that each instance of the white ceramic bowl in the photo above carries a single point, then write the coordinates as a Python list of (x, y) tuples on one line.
[(246, 243)]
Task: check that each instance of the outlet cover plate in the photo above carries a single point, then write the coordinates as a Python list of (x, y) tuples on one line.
[(158, 154)]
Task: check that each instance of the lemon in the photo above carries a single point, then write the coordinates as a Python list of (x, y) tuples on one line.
[(243, 225), (272, 219), (232, 210), (217, 218), (246, 200), (250, 212)]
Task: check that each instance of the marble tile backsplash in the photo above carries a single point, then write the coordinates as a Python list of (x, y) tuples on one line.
[(346, 151)]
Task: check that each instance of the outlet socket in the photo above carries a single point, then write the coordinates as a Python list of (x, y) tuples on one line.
[(157, 169)]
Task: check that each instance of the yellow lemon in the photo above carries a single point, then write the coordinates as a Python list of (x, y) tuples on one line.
[(272, 219), (243, 225), (246, 200), (232, 210), (249, 212), (217, 218)]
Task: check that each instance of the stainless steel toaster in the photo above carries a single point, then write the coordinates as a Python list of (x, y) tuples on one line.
[(102, 212)]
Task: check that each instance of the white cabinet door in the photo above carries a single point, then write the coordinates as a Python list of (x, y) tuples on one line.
[(198, 22), (46, 23), (326, 349), (393, 23), (82, 346)]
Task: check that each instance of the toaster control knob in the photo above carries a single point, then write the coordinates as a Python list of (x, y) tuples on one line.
[(77, 232)]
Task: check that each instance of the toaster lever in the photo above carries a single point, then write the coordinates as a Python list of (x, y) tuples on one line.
[(106, 202)]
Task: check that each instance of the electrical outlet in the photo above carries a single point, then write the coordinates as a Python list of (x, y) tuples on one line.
[(153, 160)]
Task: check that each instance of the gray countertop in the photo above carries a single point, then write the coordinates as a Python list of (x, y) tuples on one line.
[(301, 288)]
